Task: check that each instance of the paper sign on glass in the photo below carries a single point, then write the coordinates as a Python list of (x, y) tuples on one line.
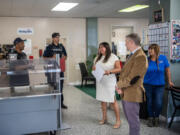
[(98, 73)]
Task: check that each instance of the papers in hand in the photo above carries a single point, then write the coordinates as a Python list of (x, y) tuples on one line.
[(98, 73)]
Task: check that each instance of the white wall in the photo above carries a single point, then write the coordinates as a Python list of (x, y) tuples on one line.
[(105, 26), (74, 30)]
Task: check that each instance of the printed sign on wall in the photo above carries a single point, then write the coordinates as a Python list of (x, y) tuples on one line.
[(25, 31), (175, 40), (28, 47)]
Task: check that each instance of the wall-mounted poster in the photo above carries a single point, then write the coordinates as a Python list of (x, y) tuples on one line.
[(175, 40), (27, 47), (159, 15), (159, 34)]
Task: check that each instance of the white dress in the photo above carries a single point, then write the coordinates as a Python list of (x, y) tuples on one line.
[(105, 89)]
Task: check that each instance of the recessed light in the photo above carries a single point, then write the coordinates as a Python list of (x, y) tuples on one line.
[(134, 8), (63, 6)]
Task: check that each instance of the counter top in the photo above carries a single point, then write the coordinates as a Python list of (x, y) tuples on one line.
[(26, 91)]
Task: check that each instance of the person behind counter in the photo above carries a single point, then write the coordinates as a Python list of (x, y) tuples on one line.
[(50, 52), (154, 83), (20, 63)]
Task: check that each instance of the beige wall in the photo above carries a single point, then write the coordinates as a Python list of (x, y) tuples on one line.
[(73, 30), (105, 26)]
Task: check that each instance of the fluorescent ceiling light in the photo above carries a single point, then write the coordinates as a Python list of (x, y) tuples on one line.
[(134, 8), (62, 6)]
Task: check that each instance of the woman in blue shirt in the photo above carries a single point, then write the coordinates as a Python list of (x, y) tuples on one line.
[(154, 83)]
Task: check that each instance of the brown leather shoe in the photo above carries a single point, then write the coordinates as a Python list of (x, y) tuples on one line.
[(64, 106), (156, 121), (150, 122)]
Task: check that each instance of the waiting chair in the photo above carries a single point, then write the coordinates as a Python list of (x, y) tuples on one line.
[(84, 74), (175, 93)]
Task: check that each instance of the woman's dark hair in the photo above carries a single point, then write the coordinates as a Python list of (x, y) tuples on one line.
[(108, 52), (156, 49)]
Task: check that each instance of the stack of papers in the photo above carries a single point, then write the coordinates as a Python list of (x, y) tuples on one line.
[(98, 73)]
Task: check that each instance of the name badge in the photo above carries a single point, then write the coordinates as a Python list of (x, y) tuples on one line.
[(57, 50)]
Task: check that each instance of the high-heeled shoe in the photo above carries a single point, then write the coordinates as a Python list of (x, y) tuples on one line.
[(101, 122), (117, 125)]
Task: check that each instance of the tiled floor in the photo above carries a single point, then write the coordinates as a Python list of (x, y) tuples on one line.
[(84, 112)]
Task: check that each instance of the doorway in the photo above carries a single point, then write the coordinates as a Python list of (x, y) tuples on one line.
[(118, 40)]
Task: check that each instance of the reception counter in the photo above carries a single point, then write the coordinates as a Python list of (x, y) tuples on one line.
[(31, 108)]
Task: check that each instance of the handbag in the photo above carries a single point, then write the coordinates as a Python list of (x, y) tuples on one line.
[(143, 113)]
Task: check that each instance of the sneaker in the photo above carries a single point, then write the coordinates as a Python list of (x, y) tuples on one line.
[(156, 121), (150, 122), (64, 106)]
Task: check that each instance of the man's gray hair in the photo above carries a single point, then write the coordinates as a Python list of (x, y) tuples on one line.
[(135, 37)]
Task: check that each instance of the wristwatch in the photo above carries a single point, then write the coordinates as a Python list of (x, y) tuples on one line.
[(110, 72)]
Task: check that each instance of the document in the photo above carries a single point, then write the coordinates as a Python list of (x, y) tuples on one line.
[(98, 73)]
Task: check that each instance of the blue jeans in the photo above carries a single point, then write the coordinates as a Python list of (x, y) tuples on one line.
[(154, 96)]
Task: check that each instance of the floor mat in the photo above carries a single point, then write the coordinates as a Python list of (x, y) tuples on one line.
[(91, 90)]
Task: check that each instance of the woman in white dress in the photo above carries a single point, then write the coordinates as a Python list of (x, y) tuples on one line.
[(105, 88)]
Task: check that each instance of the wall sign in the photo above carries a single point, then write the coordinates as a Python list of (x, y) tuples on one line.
[(159, 15), (25, 31)]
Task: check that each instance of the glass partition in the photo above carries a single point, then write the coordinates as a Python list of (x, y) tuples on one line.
[(28, 77)]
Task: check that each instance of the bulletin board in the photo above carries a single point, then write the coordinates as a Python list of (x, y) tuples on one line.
[(159, 34), (175, 41)]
